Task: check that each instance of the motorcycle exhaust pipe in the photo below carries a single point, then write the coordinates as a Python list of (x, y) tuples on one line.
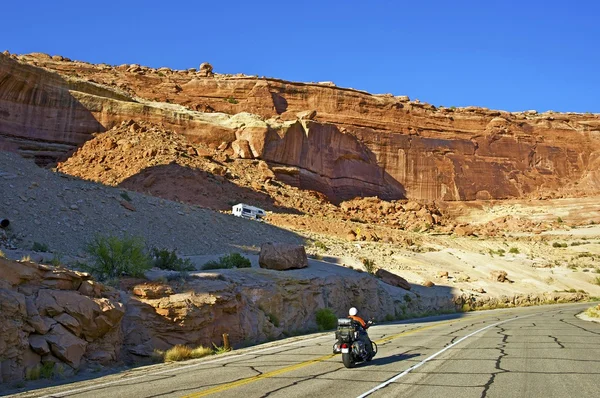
[(4, 223)]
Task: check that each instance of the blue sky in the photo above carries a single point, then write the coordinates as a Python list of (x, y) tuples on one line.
[(510, 55)]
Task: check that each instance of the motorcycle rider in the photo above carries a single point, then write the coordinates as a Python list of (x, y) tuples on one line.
[(362, 334)]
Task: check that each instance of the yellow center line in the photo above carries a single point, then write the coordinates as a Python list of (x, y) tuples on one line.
[(287, 369), (252, 379)]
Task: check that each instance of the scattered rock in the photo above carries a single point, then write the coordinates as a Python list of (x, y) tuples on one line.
[(498, 276), (392, 279)]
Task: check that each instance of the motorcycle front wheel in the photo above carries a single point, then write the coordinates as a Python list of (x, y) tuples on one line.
[(374, 350), (347, 360)]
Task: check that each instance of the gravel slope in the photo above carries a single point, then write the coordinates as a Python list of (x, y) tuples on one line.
[(64, 213)]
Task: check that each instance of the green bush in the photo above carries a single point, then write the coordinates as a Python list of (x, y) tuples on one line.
[(321, 245), (514, 250), (126, 196), (326, 319), (115, 257), (39, 247), (168, 259), (558, 244), (369, 265), (233, 260)]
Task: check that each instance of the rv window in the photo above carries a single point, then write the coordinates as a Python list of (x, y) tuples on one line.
[(246, 211)]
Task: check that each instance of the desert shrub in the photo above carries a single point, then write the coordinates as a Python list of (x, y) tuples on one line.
[(321, 245), (594, 312), (47, 370), (231, 100), (2, 255), (326, 319), (389, 318), (56, 260), (168, 259), (369, 265), (558, 244), (559, 220), (33, 373), (499, 252), (183, 352), (114, 257), (39, 247), (220, 349), (514, 250), (126, 196), (233, 260), (596, 281)]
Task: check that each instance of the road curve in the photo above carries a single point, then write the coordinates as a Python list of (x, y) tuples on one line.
[(522, 352)]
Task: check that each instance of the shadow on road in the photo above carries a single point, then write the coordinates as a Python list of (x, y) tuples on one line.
[(389, 359)]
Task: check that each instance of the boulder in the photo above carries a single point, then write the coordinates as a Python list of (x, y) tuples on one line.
[(39, 344), (392, 279), (66, 346), (282, 256), (463, 230), (242, 149), (205, 70), (498, 276), (70, 323)]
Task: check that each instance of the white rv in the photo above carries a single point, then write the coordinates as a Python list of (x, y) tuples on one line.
[(247, 211)]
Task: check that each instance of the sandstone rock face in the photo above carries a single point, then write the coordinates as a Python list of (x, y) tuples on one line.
[(343, 142), (282, 256), (254, 305), (43, 315)]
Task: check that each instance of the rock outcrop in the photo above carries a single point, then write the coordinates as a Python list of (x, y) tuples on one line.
[(51, 314), (341, 142)]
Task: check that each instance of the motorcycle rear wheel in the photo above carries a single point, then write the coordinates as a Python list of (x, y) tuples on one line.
[(348, 360)]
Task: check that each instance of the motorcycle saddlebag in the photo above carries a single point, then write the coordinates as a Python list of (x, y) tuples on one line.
[(344, 330)]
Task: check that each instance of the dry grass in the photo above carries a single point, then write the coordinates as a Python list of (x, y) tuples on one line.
[(183, 352), (593, 312)]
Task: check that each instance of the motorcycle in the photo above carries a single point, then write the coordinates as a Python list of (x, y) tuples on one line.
[(350, 342)]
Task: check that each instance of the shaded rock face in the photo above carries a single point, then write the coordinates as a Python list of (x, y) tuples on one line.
[(254, 305), (350, 143), (281, 256), (75, 321)]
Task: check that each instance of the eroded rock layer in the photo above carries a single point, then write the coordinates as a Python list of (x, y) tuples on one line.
[(341, 142)]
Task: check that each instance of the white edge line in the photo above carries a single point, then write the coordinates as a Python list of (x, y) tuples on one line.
[(179, 368), (407, 371)]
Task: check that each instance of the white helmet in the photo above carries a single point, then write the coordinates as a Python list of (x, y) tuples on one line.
[(353, 311)]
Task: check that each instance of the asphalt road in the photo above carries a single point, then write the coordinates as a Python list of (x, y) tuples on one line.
[(523, 352)]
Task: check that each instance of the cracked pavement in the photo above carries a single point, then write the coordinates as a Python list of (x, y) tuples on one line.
[(546, 351)]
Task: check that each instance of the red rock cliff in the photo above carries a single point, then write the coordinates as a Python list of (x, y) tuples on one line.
[(342, 142)]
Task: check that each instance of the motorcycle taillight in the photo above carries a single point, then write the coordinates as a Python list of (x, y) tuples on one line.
[(344, 345)]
